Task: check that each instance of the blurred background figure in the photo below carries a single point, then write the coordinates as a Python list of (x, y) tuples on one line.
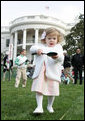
[(66, 79), (7, 65), (67, 65), (78, 63)]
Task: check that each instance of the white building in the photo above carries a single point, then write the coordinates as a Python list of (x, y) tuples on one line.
[(25, 31)]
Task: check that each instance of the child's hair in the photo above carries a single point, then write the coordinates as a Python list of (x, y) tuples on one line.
[(22, 50), (52, 31)]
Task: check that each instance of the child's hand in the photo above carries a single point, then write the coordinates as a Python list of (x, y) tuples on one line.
[(55, 57), (39, 52)]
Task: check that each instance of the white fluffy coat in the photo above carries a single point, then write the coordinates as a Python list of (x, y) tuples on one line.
[(53, 66)]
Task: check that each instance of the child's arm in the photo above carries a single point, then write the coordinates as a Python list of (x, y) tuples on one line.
[(60, 57), (36, 49), (33, 49), (39, 51)]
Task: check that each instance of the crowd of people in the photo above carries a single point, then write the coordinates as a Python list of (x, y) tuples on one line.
[(47, 71), (73, 67)]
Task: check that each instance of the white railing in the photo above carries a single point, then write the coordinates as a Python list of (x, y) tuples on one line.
[(37, 18), (4, 29)]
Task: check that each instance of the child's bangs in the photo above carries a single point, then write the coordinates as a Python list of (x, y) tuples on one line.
[(53, 34)]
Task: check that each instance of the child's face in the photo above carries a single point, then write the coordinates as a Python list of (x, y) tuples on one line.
[(51, 40), (66, 75), (23, 53)]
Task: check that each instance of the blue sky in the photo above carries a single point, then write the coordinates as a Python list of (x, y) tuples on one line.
[(66, 11)]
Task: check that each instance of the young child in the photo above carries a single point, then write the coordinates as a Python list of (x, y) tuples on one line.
[(62, 76), (66, 79), (21, 62), (47, 74)]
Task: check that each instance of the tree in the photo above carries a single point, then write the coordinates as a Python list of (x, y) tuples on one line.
[(75, 39)]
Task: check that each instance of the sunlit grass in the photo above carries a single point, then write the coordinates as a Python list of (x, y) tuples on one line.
[(19, 103)]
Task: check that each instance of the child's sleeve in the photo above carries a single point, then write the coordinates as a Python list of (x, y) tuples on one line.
[(17, 61), (60, 58), (35, 48)]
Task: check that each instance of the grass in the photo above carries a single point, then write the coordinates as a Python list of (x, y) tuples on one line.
[(19, 103)]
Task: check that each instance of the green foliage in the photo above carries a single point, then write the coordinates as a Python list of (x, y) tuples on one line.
[(75, 39)]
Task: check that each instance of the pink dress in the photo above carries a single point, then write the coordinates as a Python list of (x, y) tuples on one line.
[(44, 85)]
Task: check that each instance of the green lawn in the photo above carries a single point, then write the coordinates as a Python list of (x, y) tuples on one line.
[(19, 103)]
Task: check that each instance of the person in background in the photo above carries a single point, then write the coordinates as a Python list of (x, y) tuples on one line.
[(21, 62), (77, 63), (62, 76), (7, 65), (67, 65), (66, 79)]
